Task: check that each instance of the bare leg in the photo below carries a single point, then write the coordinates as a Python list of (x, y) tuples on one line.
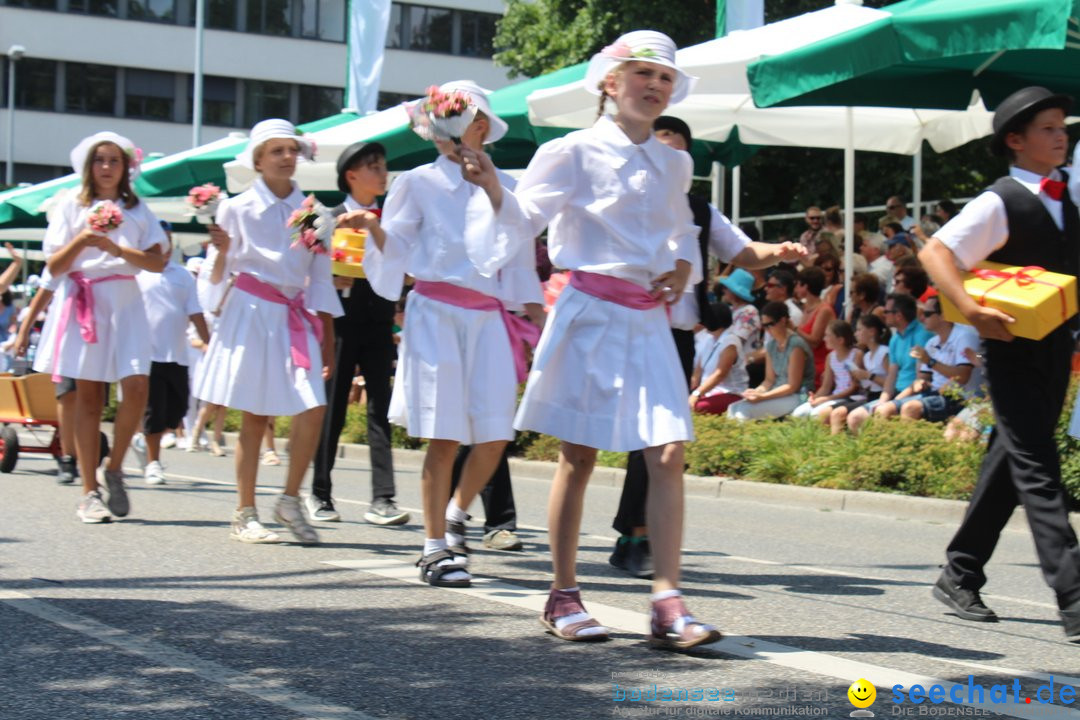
[(89, 400), (268, 435), (857, 418), (129, 415), (911, 411), (304, 439), (838, 420), (65, 413), (477, 471), (153, 447), (247, 457), (435, 485), (565, 504), (664, 513)]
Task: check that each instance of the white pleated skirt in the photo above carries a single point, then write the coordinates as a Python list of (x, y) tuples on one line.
[(455, 377), (606, 376), (123, 336), (248, 365)]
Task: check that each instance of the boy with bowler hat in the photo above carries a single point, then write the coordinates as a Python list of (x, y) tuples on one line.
[(364, 336), (1025, 218)]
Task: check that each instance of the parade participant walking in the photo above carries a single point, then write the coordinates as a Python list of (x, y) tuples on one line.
[(96, 331), (615, 199), (276, 331), (364, 336), (1025, 218), (460, 357)]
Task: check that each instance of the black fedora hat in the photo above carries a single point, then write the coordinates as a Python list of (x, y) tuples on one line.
[(346, 158), (1019, 108)]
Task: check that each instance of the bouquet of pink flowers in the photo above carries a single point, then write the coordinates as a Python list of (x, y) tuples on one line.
[(104, 216), (441, 115), (203, 201), (312, 226)]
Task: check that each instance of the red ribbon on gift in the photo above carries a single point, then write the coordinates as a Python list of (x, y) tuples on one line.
[(1022, 280)]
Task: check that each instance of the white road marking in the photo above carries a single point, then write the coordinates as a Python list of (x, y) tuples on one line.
[(295, 701)]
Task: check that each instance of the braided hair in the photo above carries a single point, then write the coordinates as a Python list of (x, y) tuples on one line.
[(603, 98)]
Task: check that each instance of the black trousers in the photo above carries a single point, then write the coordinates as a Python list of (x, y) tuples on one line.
[(371, 346), (497, 496), (1028, 381), (631, 513)]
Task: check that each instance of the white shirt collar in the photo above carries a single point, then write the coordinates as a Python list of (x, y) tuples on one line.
[(617, 141), (268, 199), (1029, 179), (351, 204)]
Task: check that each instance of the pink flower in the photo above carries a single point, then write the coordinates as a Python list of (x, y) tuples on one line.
[(621, 51), (104, 216), (309, 202)]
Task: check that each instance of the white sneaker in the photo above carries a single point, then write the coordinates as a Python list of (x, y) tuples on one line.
[(321, 510), (154, 473), (92, 510), (183, 444), (289, 512), (247, 528), (138, 446), (168, 440)]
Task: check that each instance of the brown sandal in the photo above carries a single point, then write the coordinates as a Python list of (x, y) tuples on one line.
[(562, 604), (665, 614)]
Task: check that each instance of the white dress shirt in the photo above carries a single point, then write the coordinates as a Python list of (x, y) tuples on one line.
[(260, 245), (612, 206), (725, 242), (982, 226), (170, 298), (140, 230), (441, 228)]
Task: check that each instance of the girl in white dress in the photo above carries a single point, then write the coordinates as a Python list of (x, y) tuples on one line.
[(96, 329), (606, 373), (459, 357), (274, 342)]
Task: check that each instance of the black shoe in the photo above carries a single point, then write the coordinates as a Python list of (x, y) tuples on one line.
[(639, 558), (618, 555), (968, 604), (68, 471), (1070, 617)]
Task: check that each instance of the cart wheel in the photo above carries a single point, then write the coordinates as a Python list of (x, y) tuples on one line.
[(9, 449), (104, 448)]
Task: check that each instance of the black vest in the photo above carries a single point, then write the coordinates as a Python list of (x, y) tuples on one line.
[(1034, 237), (363, 305), (703, 219)]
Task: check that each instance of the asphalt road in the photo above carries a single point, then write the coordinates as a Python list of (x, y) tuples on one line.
[(162, 616)]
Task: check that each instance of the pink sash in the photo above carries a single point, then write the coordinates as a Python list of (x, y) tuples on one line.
[(613, 289), (298, 346), (518, 329), (82, 302)]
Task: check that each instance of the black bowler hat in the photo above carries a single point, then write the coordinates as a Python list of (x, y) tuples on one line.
[(346, 158), (1018, 109), (675, 125)]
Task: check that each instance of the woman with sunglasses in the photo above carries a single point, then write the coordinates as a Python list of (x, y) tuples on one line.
[(789, 370)]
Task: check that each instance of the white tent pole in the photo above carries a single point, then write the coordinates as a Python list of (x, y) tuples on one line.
[(849, 204), (717, 177), (736, 193), (916, 183)]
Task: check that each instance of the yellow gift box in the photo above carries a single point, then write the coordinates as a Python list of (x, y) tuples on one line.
[(347, 252), (1039, 300)]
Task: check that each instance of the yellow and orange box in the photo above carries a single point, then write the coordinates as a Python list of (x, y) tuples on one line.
[(347, 252), (1039, 300)]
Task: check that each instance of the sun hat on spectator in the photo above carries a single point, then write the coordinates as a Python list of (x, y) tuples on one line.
[(740, 283)]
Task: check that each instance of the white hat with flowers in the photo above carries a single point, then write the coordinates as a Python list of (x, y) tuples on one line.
[(272, 129), (648, 46), (81, 152)]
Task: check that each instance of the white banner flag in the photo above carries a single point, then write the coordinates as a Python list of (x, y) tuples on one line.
[(368, 22), (745, 14)]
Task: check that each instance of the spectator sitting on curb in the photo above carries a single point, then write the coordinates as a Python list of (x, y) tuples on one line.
[(872, 368), (976, 420), (720, 375), (789, 370), (945, 371), (837, 382)]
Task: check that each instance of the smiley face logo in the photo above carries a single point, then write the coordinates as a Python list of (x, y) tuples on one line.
[(861, 693)]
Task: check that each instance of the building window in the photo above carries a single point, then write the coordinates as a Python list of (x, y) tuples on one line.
[(271, 17), (477, 34), (319, 102), (219, 100), (90, 88), (33, 4), (159, 10), (35, 84), (265, 100), (323, 19), (388, 100), (220, 14), (395, 32), (430, 29), (93, 7), (149, 94)]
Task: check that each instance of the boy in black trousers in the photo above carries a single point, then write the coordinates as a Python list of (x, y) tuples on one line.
[(1025, 218)]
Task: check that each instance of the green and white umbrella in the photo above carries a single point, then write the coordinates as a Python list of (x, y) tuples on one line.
[(931, 53)]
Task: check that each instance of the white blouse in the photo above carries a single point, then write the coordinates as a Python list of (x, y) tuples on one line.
[(260, 245), (614, 207), (140, 230), (440, 228)]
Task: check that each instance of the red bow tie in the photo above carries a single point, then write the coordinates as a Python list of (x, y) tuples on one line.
[(1053, 188)]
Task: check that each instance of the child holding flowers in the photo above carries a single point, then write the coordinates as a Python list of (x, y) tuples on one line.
[(96, 330), (461, 356), (276, 332)]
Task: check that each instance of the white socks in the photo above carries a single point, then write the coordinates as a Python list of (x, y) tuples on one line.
[(434, 545), (455, 514)]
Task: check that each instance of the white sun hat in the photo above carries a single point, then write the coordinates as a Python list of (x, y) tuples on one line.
[(642, 46), (272, 129), (478, 98), (81, 152)]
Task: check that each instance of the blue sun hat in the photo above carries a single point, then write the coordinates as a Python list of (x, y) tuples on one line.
[(740, 283)]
